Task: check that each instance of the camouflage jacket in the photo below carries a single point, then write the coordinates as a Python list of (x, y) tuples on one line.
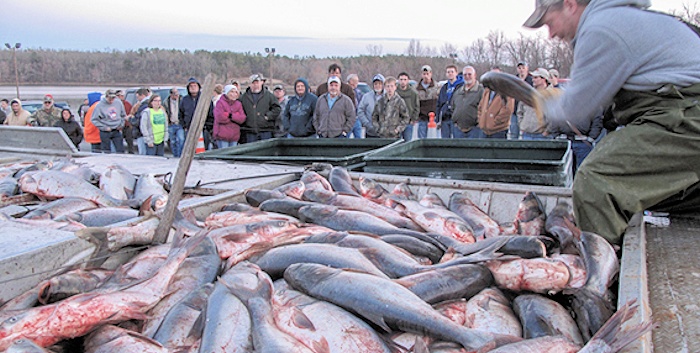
[(45, 119), (390, 116)]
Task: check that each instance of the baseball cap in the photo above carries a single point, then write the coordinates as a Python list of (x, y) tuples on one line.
[(256, 77), (48, 98), (333, 79), (228, 88), (541, 73), (378, 77), (110, 93), (278, 87), (522, 63), (554, 72), (426, 68), (541, 7)]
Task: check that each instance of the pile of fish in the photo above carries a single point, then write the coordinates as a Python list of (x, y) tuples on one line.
[(66, 195), (327, 265)]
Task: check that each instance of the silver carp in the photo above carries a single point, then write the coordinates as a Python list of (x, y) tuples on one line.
[(483, 225), (542, 316), (55, 185), (118, 182), (60, 207), (183, 324), (341, 181), (148, 187), (385, 303)]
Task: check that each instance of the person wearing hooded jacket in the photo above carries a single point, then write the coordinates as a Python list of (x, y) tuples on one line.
[(297, 118), (261, 109), (650, 77), (443, 116), (188, 104), (18, 116)]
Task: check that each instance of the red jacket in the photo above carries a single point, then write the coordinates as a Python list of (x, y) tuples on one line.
[(228, 117)]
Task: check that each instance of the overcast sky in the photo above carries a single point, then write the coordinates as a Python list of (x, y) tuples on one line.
[(292, 27)]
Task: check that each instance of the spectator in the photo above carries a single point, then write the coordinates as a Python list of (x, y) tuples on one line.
[(228, 117), (176, 135), (524, 74), (83, 108), (444, 106), (390, 115), (335, 114), (366, 107), (282, 99), (188, 104), (91, 133), (335, 71), (465, 105), (18, 116), (218, 92), (46, 116), (142, 96), (108, 117), (3, 116), (410, 97), (128, 131), (71, 127), (5, 106), (554, 78), (495, 110), (154, 127), (427, 99), (297, 118), (353, 81), (531, 126), (261, 110)]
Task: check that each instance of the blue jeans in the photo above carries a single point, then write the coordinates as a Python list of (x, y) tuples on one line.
[(177, 139), (156, 150), (446, 129), (496, 135), (422, 129), (224, 144), (107, 138), (357, 129), (252, 137), (514, 127), (407, 133), (529, 136), (141, 144), (580, 150), (474, 133)]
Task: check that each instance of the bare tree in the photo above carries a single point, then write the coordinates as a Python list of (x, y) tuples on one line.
[(375, 50)]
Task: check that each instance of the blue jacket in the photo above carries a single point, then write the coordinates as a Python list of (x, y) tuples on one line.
[(297, 118), (444, 108)]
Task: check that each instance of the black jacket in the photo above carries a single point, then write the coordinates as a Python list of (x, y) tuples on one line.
[(261, 116), (72, 129)]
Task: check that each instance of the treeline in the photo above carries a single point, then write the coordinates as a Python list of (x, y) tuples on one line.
[(170, 66)]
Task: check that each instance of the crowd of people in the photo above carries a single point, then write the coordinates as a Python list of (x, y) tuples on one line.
[(393, 108)]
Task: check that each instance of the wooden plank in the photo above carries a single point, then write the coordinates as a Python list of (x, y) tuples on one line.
[(28, 138), (188, 151)]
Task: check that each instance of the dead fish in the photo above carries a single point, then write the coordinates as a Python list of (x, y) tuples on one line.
[(415, 246), (148, 187), (602, 264), (432, 200), (561, 224), (449, 283), (109, 338), (24, 345), (313, 180), (511, 86), (60, 207), (341, 181), (392, 307), (490, 311), (100, 217), (287, 205), (71, 283), (542, 316), (231, 218), (539, 275), (294, 189), (183, 324), (54, 185), (438, 220), (255, 197), (374, 192), (231, 241), (118, 182), (482, 225), (530, 218), (8, 187), (402, 190)]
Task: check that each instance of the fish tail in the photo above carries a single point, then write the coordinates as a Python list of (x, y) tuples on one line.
[(612, 334)]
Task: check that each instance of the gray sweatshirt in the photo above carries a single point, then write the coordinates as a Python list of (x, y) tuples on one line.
[(618, 45), (108, 115)]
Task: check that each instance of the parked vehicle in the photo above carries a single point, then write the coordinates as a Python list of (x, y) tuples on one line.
[(162, 91)]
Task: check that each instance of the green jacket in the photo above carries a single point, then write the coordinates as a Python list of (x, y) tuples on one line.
[(410, 97)]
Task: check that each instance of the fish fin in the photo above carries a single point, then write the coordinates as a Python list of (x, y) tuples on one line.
[(198, 327), (145, 208), (419, 346), (98, 237), (321, 346), (376, 319), (302, 321)]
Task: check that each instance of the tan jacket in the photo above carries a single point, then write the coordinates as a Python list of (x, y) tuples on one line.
[(495, 116), (19, 119)]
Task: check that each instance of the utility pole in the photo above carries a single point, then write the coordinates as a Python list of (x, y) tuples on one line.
[(14, 57), (270, 54)]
